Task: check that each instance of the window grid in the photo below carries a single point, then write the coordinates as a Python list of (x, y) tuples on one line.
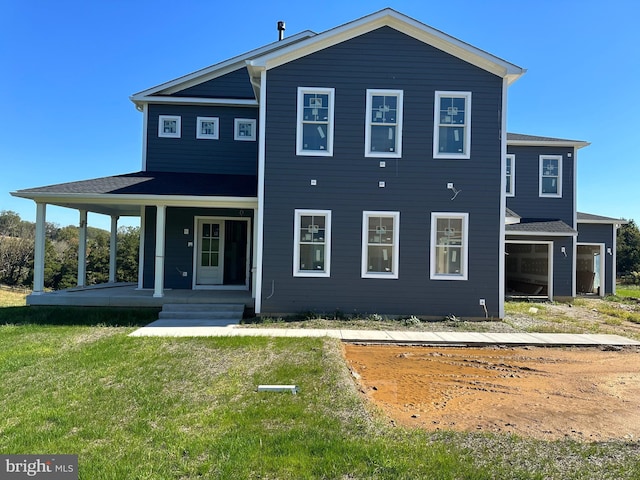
[(383, 135), (550, 176), (449, 246), (380, 233), (312, 243), (511, 175), (207, 128), (315, 121), (452, 125), (169, 126)]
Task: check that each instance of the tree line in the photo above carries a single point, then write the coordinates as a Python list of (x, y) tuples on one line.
[(17, 239)]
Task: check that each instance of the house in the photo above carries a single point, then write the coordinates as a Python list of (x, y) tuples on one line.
[(363, 169)]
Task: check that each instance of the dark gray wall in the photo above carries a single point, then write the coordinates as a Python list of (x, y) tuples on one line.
[(178, 255), (600, 233), (527, 202), (232, 85), (189, 154), (347, 183)]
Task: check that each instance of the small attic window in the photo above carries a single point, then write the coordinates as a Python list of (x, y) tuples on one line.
[(169, 126), (208, 128), (245, 129)]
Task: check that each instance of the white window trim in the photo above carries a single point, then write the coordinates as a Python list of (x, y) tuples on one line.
[(296, 244), (365, 244), (464, 251), (550, 195), (467, 124), (367, 134), (236, 129), (162, 118), (299, 130), (203, 136), (512, 192)]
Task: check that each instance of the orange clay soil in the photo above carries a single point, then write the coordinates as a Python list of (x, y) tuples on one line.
[(545, 393)]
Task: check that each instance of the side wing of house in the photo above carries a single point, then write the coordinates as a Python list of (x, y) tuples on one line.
[(382, 180)]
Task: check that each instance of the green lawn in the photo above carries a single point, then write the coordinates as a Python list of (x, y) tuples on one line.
[(628, 291), (153, 408)]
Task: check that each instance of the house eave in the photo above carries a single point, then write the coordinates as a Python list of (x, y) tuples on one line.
[(227, 102), (391, 18), (547, 143), (540, 234)]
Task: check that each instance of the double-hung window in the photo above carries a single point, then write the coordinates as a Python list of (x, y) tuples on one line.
[(383, 134), (452, 125), (550, 176), (449, 246), (312, 243), (380, 243), (511, 175), (169, 126), (315, 121)]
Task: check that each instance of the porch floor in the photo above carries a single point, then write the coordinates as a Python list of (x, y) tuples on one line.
[(127, 295)]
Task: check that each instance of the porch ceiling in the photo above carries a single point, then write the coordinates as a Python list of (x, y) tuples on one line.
[(123, 195)]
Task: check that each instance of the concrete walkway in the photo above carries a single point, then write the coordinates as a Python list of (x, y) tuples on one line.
[(162, 328)]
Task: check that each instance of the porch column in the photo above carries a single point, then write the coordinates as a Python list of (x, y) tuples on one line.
[(141, 249), (253, 254), (82, 249), (113, 248), (158, 288), (38, 258)]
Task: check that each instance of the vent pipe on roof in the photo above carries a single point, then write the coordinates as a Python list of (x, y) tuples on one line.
[(281, 28)]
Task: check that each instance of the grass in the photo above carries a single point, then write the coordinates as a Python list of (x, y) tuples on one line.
[(10, 298), (629, 291), (162, 408)]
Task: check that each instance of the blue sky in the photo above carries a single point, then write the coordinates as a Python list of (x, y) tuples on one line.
[(69, 67)]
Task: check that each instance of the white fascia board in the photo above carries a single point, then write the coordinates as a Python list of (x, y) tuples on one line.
[(540, 234), (227, 102), (605, 222), (402, 23), (111, 199), (217, 70), (547, 143)]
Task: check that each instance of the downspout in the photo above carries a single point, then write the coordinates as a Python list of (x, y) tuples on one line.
[(259, 222), (503, 200)]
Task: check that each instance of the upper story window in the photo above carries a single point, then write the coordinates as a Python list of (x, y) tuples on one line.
[(312, 243), (449, 246), (208, 128), (315, 121), (380, 238), (169, 126), (244, 129), (452, 125), (383, 134), (511, 175), (550, 176)]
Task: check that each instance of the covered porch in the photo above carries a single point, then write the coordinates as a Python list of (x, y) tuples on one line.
[(128, 295), (140, 194)]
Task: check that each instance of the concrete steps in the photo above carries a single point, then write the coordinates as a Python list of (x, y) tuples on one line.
[(200, 314)]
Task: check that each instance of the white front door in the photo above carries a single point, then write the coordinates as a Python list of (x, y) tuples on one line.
[(210, 256)]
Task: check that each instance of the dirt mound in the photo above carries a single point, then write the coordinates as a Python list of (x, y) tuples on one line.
[(545, 393)]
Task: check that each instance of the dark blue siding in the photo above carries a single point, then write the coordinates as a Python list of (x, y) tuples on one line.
[(232, 85), (347, 183), (189, 154), (527, 202), (178, 255), (600, 233)]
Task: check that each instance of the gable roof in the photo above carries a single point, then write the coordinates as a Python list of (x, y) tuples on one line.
[(400, 22), (214, 71), (534, 140)]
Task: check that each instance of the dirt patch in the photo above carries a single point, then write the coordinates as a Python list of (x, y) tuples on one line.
[(545, 393)]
